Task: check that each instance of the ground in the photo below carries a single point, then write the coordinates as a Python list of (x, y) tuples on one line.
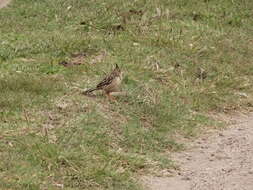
[(4, 3), (219, 160), (184, 62)]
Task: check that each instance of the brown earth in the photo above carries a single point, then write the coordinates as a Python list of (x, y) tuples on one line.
[(4, 3), (222, 160)]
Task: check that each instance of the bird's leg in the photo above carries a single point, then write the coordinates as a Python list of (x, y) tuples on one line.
[(109, 96)]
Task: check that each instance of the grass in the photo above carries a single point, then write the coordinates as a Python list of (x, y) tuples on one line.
[(53, 137)]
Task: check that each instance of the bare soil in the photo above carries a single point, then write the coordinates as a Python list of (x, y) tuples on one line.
[(222, 160), (4, 3)]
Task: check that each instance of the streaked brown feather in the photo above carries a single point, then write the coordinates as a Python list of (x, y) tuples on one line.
[(107, 80)]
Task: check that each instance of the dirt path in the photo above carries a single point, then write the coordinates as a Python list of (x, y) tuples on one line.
[(4, 3), (219, 161)]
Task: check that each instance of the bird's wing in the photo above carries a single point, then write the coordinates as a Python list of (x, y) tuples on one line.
[(106, 81)]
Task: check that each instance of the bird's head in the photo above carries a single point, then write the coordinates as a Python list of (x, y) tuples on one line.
[(118, 70)]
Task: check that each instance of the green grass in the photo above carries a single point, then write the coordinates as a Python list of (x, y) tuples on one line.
[(52, 136)]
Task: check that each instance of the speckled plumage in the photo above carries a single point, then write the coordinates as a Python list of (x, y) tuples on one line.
[(110, 83)]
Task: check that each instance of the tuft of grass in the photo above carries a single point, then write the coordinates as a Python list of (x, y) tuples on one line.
[(53, 137)]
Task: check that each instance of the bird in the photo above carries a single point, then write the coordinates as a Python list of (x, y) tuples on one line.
[(110, 83)]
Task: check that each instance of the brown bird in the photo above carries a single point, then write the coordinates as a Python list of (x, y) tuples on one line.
[(110, 83)]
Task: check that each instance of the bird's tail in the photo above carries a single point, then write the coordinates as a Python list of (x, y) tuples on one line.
[(87, 92)]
